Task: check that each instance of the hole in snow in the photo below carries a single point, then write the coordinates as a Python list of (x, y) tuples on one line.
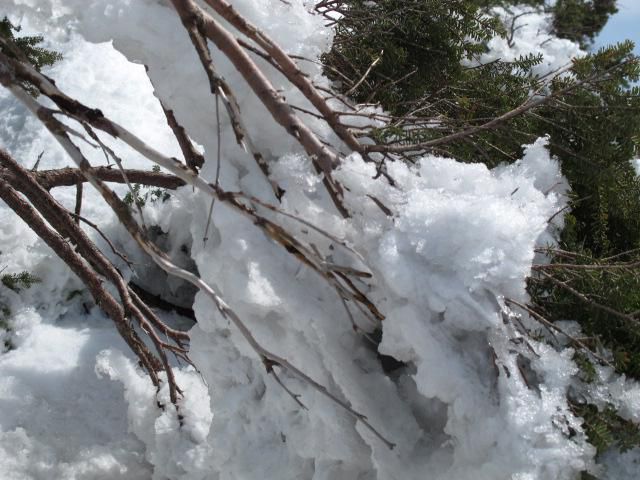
[(163, 291)]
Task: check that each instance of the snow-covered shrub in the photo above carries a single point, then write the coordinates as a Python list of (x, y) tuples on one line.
[(438, 253)]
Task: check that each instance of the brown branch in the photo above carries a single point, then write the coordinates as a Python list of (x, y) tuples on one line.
[(78, 201), (68, 177), (585, 299), (322, 158), (552, 326), (221, 89), (581, 266), (122, 257), (192, 157), (364, 76), (61, 220), (288, 68), (109, 153), (75, 262), (122, 212), (530, 104), (17, 72), (164, 262)]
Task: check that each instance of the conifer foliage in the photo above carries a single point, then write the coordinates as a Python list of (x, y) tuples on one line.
[(419, 59), (27, 45), (581, 20)]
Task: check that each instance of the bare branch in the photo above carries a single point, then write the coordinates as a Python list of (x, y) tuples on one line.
[(75, 262), (192, 157), (323, 159), (221, 89), (95, 118), (160, 258), (68, 177), (78, 201), (532, 103), (288, 68), (62, 221)]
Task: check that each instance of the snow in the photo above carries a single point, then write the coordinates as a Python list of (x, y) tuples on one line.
[(461, 239), (59, 420), (529, 29)]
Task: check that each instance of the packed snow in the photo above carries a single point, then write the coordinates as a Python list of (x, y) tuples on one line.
[(77, 406)]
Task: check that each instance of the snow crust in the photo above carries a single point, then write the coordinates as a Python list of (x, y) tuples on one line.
[(460, 240)]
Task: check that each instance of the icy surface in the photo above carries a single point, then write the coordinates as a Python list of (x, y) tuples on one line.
[(461, 239)]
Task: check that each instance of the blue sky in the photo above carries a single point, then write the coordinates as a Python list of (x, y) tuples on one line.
[(625, 24)]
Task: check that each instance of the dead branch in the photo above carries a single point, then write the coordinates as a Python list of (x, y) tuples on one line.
[(631, 318), (157, 301), (288, 68), (114, 250), (532, 103), (75, 262), (65, 227), (68, 177), (78, 201), (17, 72), (79, 112), (323, 159), (192, 157), (552, 326), (221, 89)]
